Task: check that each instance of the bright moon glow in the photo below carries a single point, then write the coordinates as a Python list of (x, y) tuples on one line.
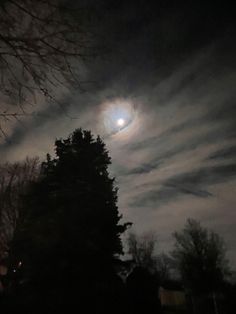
[(120, 117), (120, 122)]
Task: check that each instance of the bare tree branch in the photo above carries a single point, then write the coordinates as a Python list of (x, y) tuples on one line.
[(40, 44), (14, 180)]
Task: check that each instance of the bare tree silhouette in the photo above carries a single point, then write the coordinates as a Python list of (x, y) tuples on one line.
[(41, 42), (14, 178)]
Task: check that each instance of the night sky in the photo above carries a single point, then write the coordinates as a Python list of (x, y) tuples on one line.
[(168, 70)]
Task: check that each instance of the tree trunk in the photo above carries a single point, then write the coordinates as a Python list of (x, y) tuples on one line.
[(215, 303)]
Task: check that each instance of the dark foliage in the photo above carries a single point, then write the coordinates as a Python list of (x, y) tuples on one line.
[(14, 181), (228, 302), (200, 258), (68, 235), (142, 292)]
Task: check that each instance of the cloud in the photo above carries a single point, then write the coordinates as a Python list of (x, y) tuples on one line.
[(224, 153), (144, 168), (190, 183)]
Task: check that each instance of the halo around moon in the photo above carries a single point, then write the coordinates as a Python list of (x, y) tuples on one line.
[(118, 116)]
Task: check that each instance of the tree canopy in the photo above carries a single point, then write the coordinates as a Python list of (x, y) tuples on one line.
[(68, 235), (200, 257), (142, 250), (144, 254)]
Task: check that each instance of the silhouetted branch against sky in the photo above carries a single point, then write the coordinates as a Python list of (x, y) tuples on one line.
[(41, 44), (14, 180)]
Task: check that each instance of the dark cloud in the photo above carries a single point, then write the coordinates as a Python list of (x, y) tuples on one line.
[(144, 168), (206, 176), (167, 193), (215, 136), (193, 183), (224, 153)]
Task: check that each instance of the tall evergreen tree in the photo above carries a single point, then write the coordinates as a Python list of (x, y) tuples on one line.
[(68, 236)]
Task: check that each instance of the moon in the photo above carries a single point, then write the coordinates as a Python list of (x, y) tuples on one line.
[(120, 117), (120, 122)]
